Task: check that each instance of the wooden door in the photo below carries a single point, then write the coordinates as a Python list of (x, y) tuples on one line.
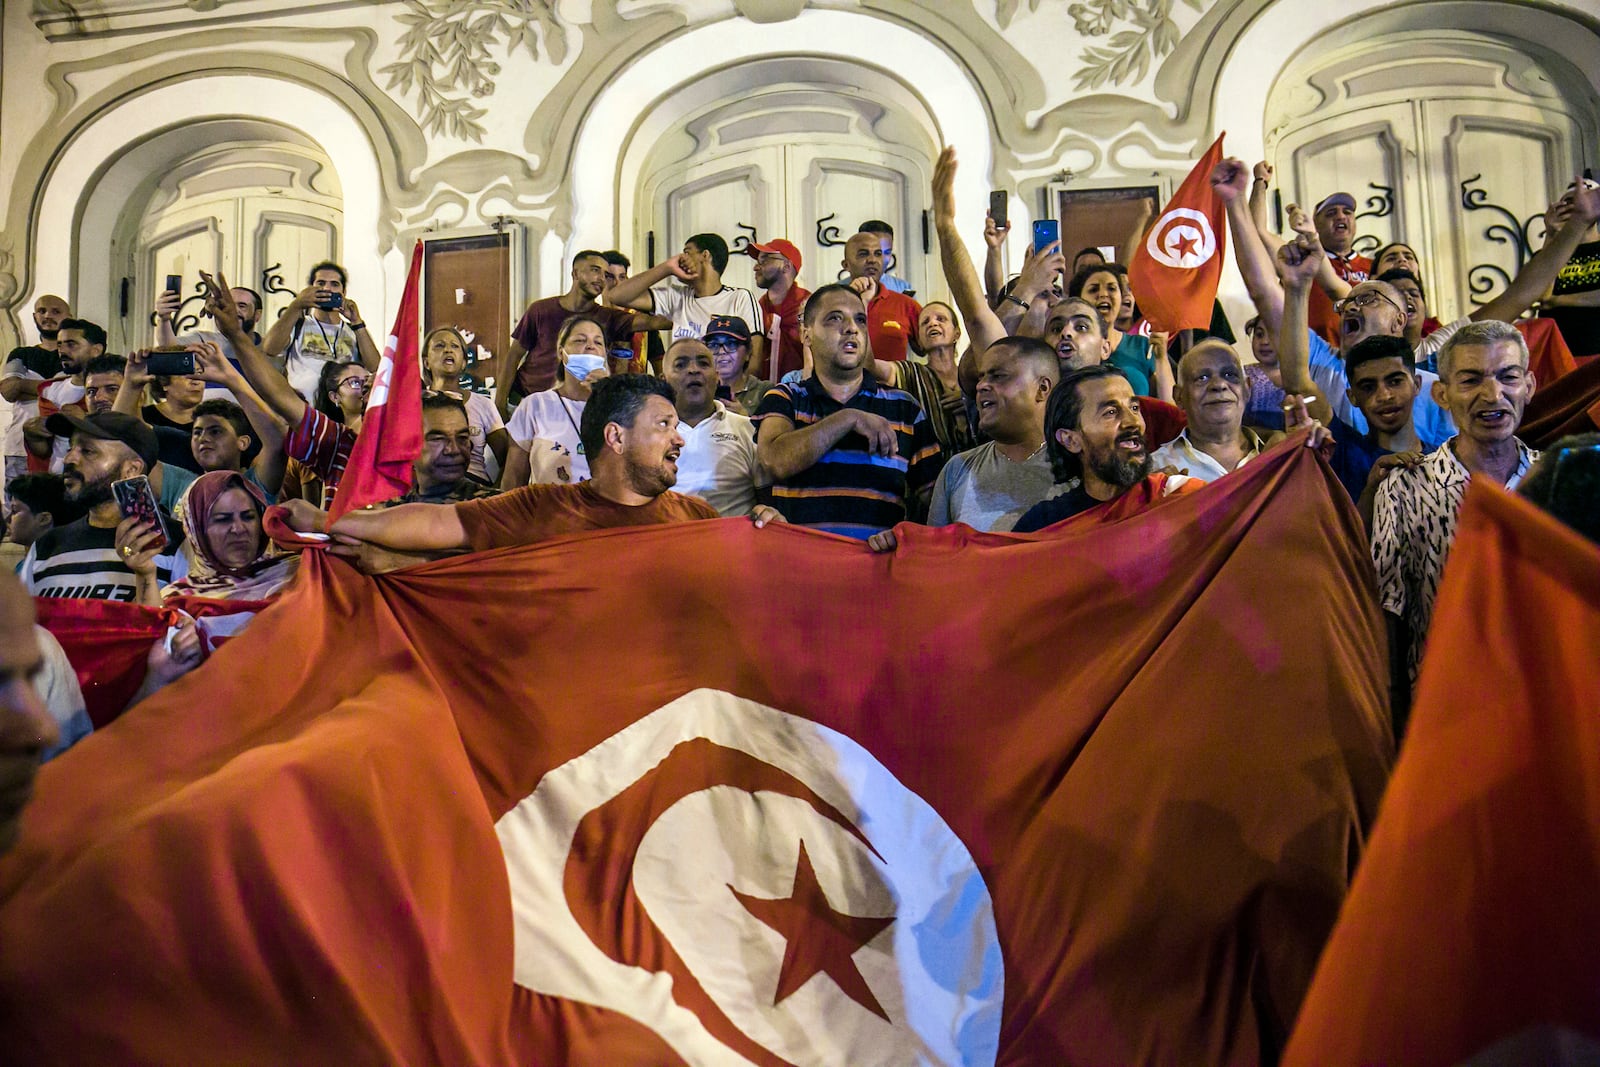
[(467, 284)]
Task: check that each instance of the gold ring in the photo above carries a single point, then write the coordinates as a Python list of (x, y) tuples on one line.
[(127, 550)]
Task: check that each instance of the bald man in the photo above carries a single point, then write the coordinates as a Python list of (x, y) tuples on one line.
[(25, 369), (891, 316), (1213, 392)]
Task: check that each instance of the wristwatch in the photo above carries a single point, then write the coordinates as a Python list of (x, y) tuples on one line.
[(1023, 304), (356, 326)]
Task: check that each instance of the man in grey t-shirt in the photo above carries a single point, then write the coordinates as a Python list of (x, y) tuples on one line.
[(989, 487)]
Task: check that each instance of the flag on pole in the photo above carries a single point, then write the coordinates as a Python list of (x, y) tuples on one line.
[(1470, 932), (1175, 270), (391, 431), (1088, 796)]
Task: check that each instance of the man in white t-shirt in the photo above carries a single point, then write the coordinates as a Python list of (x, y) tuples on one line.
[(319, 327), (718, 460), (689, 291)]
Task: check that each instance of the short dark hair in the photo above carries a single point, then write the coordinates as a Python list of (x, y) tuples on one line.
[(1566, 483), (253, 295), (92, 332), (1378, 256), (714, 244), (1381, 346), (106, 363), (1088, 250), (619, 399), (1400, 274), (1094, 313), (589, 253), (1033, 351), (45, 494), (1064, 411), (432, 400), (617, 259), (814, 301), (228, 411), (327, 264), (1081, 278), (876, 226)]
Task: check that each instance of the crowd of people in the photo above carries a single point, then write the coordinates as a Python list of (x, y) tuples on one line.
[(850, 407)]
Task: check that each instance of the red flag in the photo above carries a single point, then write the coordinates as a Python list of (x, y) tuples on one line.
[(1175, 271), (1089, 796), (391, 431), (1470, 932)]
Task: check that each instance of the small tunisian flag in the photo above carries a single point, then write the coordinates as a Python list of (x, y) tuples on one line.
[(1091, 796), (391, 432), (1470, 932), (1175, 271)]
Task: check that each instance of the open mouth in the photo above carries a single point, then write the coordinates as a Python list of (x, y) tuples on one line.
[(850, 346), (1493, 416), (1104, 307), (1352, 323), (1131, 443)]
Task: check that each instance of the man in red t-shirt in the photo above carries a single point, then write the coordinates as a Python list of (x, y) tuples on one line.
[(891, 316), (1335, 219), (782, 301)]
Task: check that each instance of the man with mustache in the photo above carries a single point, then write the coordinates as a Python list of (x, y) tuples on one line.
[(25, 369), (891, 316), (1214, 393), (1095, 435), (630, 434), (104, 556), (782, 300), (1485, 382)]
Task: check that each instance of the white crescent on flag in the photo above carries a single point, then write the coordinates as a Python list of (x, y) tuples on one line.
[(803, 905), (1182, 238)]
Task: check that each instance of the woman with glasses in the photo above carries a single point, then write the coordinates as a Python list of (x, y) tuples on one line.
[(545, 444), (444, 358)]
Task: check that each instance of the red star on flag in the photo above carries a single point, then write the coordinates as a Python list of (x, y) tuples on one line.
[(1186, 246), (820, 939)]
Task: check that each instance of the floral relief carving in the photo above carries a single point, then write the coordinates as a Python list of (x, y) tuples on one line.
[(1137, 33), (448, 50)]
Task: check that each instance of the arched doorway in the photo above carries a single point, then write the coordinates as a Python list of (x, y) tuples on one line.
[(681, 113)]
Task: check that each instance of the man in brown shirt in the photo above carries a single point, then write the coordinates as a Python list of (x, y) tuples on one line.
[(629, 431)]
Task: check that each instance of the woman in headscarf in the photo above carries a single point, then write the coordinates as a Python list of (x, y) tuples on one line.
[(233, 557)]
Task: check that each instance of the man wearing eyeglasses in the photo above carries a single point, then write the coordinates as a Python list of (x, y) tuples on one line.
[(782, 301), (728, 340)]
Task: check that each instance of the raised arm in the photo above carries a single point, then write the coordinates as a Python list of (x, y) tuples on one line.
[(404, 528), (1130, 243), (1539, 273), (274, 389), (1328, 279), (983, 326), (1038, 275), (994, 271), (130, 394), (634, 292), (1297, 264), (167, 304), (282, 331), (365, 345), (271, 461), (1258, 199), (1230, 179)]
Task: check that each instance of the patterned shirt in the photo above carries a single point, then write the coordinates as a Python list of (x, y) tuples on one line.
[(1413, 526), (81, 562), (323, 446), (850, 491)]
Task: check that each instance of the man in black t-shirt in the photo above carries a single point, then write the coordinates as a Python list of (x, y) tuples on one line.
[(24, 369)]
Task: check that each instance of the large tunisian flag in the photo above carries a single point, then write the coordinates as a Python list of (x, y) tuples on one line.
[(1175, 270), (1091, 796), (391, 430), (1471, 929)]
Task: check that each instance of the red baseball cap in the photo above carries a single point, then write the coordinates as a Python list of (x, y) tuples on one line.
[(780, 246)]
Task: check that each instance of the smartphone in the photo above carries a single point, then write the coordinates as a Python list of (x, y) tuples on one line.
[(174, 283), (329, 301), (998, 202), (170, 362), (138, 501), (1046, 232)]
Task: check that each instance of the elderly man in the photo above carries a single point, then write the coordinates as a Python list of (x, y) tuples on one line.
[(991, 486), (1485, 382), (104, 555), (891, 317), (846, 454), (1213, 392)]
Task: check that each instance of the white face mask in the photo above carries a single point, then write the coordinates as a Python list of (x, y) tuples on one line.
[(580, 364)]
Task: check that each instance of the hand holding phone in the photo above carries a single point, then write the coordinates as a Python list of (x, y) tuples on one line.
[(330, 301), (170, 362), (1046, 232), (137, 501), (999, 201)]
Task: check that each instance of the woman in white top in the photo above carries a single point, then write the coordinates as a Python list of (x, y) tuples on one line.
[(545, 445), (444, 357)]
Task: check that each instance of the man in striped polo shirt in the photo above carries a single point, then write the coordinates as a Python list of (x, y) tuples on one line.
[(847, 454)]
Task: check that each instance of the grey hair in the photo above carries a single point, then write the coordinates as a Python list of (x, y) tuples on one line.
[(1486, 333)]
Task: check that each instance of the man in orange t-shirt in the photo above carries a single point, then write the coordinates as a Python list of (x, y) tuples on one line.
[(891, 316), (629, 431)]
